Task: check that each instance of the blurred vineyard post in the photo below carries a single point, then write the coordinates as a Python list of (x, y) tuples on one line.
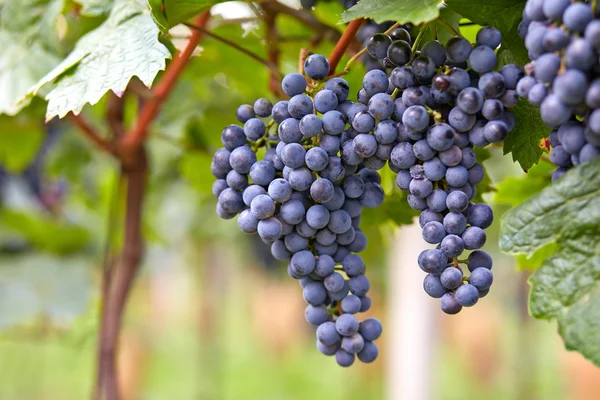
[(411, 346)]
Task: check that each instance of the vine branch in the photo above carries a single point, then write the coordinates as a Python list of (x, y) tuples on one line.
[(89, 132), (303, 17), (161, 91), (343, 43), (273, 51), (272, 67)]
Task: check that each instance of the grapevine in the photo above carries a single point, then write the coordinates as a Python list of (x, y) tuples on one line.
[(317, 150)]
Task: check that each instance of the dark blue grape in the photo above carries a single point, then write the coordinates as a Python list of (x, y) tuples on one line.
[(489, 36), (458, 50), (449, 305), (293, 84), (452, 246), (433, 286), (451, 278), (244, 113), (474, 238), (316, 66), (280, 111), (399, 52), (434, 50), (482, 59), (577, 16), (377, 46), (433, 232), (466, 295), (375, 81)]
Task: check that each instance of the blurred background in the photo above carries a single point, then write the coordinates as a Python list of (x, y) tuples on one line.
[(212, 315)]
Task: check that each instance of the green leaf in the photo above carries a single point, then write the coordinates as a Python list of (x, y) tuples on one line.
[(523, 142), (193, 168), (441, 29), (402, 11), (124, 46), (567, 285), (504, 15), (45, 233), (515, 190), (21, 138), (94, 8), (169, 13), (29, 43)]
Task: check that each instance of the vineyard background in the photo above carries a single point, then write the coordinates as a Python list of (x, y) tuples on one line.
[(212, 316)]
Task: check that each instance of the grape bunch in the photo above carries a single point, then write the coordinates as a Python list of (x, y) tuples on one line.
[(563, 42), (427, 115), (286, 181)]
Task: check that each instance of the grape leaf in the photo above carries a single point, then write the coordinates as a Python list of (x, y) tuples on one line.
[(169, 13), (29, 40), (45, 233), (567, 285), (402, 11), (124, 46), (95, 7), (504, 15), (21, 139), (523, 142), (515, 190)]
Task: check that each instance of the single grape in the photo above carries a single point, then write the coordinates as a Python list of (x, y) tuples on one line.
[(399, 52), (489, 36), (482, 59), (433, 286), (316, 66), (467, 295), (449, 305), (458, 50), (293, 84), (378, 44)]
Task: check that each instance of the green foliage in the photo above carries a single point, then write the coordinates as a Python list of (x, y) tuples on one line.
[(95, 7), (26, 30), (46, 233), (566, 287), (20, 138), (524, 140), (106, 59), (402, 11), (168, 13), (513, 191)]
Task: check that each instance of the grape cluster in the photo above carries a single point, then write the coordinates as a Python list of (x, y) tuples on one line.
[(304, 200), (428, 114), (563, 42)]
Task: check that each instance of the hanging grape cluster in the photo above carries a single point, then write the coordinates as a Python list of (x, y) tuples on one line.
[(427, 116), (563, 42), (304, 201)]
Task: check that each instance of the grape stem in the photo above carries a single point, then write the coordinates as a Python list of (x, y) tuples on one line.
[(594, 6), (91, 133), (415, 45), (449, 27), (272, 67), (304, 17), (342, 44)]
